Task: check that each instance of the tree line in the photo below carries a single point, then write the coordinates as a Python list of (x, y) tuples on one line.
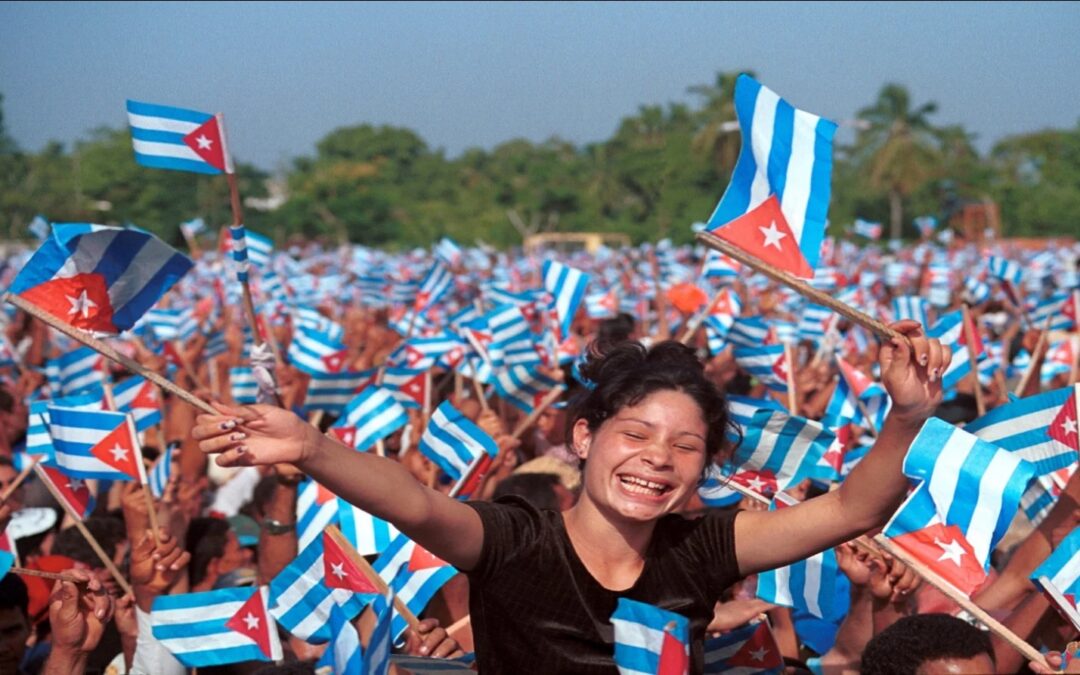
[(664, 168)]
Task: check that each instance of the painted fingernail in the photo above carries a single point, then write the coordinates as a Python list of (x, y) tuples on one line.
[(241, 450), (923, 359), (228, 424), (160, 567), (238, 436)]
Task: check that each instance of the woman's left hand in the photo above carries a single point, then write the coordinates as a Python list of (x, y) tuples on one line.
[(912, 375)]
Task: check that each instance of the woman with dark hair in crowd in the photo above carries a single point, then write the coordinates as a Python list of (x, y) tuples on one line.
[(543, 585)]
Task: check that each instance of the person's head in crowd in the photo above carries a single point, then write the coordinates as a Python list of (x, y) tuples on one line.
[(14, 416), (8, 474), (14, 622), (645, 400), (616, 329), (109, 532), (569, 477), (215, 552), (924, 644), (542, 490)]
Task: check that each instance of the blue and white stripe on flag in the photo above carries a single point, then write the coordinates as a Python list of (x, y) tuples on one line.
[(749, 331), (1022, 427), (1059, 576), (376, 659), (1006, 270), (778, 451), (452, 441), (316, 507), (911, 307), (522, 387), (157, 134), (767, 364), (138, 396), (868, 229), (76, 432), (815, 321), (158, 477), (433, 287), (242, 385), (80, 370), (719, 266), (748, 650), (301, 601), (343, 654), (567, 287), (447, 251), (367, 534), (649, 639), (949, 329), (786, 152), (171, 324), (38, 440), (193, 627), (976, 291), (331, 392), (315, 352), (260, 248), (373, 414), (808, 585), (414, 587)]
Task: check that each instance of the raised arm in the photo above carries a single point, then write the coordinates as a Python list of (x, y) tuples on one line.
[(912, 376), (258, 435)]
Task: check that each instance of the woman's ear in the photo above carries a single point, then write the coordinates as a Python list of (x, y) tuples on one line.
[(582, 438)]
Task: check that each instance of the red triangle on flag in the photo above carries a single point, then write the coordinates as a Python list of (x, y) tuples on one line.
[(760, 652), (346, 435), (945, 550), (780, 367), (251, 621), (414, 388), (1066, 425), (764, 233), (413, 356), (335, 361), (323, 494), (857, 379), (674, 656), (472, 483), (340, 571), (117, 450), (763, 482), (146, 397), (970, 327), (205, 141), (74, 490), (423, 559), (81, 300)]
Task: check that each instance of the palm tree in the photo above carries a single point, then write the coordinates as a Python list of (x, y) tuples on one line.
[(900, 147), (718, 136)]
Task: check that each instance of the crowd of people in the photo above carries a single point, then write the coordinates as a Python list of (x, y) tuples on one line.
[(619, 486)]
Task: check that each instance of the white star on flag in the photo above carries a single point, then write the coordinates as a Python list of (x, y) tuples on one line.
[(204, 142), (772, 235), (1068, 426), (951, 551), (338, 570), (759, 654), (75, 484), (119, 453), (252, 621), (81, 304)]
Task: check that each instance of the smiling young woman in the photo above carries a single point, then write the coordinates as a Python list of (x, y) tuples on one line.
[(543, 584)]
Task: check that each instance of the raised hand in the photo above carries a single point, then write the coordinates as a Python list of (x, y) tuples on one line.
[(912, 375), (155, 566), (431, 639), (255, 435), (79, 610)]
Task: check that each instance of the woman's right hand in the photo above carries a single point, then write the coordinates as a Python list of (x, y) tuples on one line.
[(255, 435)]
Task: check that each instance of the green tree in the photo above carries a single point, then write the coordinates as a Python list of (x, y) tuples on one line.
[(898, 146), (1038, 182)]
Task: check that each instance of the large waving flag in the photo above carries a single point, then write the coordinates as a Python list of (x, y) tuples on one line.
[(228, 625), (776, 205), (567, 287), (1040, 429), (967, 493), (372, 415), (749, 650), (452, 441), (175, 138), (96, 444), (99, 278), (650, 640), (1059, 577)]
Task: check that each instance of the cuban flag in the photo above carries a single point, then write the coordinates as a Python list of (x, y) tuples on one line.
[(865, 228), (316, 507), (815, 322), (372, 415), (331, 392), (768, 364), (720, 321), (650, 640), (38, 440), (80, 370), (99, 278), (407, 385), (926, 225), (344, 654), (976, 291), (778, 451), (523, 387), (228, 625), (138, 396), (39, 227), (1058, 577), (455, 443), (96, 444), (316, 352), (776, 205), (434, 286), (322, 577), (448, 251), (72, 490), (567, 287), (171, 324), (949, 329), (719, 266), (1008, 271), (367, 534), (910, 307), (242, 385), (863, 387), (1040, 429), (749, 650), (414, 574), (158, 477), (176, 138), (750, 331), (967, 492), (445, 350), (602, 305)]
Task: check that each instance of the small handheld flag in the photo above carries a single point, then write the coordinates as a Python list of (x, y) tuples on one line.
[(176, 138), (650, 640), (228, 625)]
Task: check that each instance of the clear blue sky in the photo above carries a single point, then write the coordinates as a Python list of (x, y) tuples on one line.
[(465, 75)]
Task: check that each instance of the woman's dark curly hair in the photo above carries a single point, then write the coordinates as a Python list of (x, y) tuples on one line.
[(625, 373)]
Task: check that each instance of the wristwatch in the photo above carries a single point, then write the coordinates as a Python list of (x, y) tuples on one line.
[(277, 527)]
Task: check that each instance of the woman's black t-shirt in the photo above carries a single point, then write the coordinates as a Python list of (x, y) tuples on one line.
[(535, 607)]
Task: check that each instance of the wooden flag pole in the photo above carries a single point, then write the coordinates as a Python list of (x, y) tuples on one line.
[(1040, 346), (108, 352), (151, 511), (10, 490), (550, 398), (806, 290), (77, 519), (792, 398), (371, 575), (954, 594), (971, 339)]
